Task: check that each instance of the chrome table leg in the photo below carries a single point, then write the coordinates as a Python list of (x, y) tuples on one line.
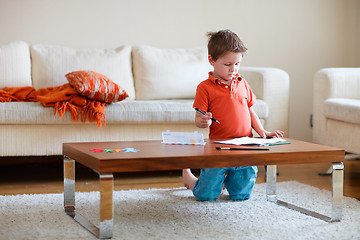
[(337, 193), (69, 186), (106, 205), (105, 229), (271, 183)]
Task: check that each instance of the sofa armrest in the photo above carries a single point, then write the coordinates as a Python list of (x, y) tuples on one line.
[(272, 86), (336, 83), (332, 83)]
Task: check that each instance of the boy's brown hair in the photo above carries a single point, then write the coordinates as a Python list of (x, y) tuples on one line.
[(224, 41)]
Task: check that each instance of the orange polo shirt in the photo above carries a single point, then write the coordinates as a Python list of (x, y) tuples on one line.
[(228, 104)]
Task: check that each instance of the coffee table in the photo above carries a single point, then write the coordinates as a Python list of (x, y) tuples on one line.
[(155, 156)]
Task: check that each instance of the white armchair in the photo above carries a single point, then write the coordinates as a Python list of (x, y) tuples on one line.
[(336, 112)]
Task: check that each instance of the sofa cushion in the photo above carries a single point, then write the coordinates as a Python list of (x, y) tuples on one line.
[(96, 86), (51, 63), (15, 66), (150, 111), (342, 109), (168, 73), (145, 111)]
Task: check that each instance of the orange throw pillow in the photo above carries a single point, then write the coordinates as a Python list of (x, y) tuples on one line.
[(96, 86)]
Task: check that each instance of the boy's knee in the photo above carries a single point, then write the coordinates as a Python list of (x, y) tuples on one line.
[(205, 198), (240, 183), (239, 197), (209, 185), (206, 194), (242, 191)]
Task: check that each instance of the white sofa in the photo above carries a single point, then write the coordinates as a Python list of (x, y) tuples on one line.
[(161, 84), (336, 118)]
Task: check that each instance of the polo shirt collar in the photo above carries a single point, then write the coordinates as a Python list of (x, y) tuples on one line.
[(215, 80)]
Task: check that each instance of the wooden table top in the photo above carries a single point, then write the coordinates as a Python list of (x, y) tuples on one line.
[(154, 155)]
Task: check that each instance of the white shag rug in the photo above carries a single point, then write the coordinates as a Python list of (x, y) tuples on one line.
[(175, 214)]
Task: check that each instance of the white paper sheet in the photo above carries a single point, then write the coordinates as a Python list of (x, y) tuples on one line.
[(252, 141)]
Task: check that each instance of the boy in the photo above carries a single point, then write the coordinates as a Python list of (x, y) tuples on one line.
[(227, 97)]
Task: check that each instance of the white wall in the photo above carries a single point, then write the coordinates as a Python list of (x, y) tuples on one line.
[(299, 37)]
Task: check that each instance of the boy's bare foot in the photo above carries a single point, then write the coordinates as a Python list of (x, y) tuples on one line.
[(188, 178)]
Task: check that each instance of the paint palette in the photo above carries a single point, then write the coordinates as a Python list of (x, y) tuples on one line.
[(183, 138)]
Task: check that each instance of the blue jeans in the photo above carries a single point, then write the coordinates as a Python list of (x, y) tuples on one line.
[(239, 182)]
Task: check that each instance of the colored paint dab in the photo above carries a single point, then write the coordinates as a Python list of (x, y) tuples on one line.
[(130, 150), (193, 141), (97, 150)]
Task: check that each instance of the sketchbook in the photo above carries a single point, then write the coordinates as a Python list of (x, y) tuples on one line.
[(252, 141)]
